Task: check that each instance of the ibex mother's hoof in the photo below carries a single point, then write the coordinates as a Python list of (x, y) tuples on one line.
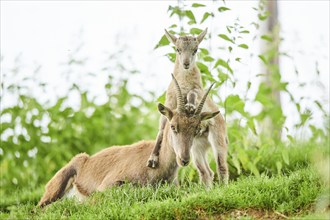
[(153, 161)]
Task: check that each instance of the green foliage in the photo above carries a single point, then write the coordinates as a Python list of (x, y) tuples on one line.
[(39, 138), (287, 195), (256, 136)]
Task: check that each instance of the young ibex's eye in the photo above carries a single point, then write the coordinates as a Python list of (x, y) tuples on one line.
[(195, 51)]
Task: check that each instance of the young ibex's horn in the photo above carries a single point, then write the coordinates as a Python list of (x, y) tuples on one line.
[(179, 97), (201, 104)]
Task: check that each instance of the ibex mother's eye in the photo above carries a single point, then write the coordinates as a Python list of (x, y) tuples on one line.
[(178, 50)]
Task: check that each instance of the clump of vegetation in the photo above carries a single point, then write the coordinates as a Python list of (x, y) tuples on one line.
[(259, 197)]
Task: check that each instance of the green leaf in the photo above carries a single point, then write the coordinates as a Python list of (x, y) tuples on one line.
[(222, 9), (292, 140), (191, 16), (234, 103), (225, 37), (267, 38), (319, 105), (197, 5), (263, 95), (195, 31), (244, 32), (205, 16), (161, 99), (264, 16), (253, 169), (175, 10), (204, 51), (162, 42), (222, 77), (171, 57), (263, 58), (243, 46), (228, 29), (224, 64), (249, 85), (172, 26), (252, 126), (237, 165), (298, 106), (203, 68), (208, 59)]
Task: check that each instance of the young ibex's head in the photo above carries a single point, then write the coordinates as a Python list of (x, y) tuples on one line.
[(186, 47), (184, 126)]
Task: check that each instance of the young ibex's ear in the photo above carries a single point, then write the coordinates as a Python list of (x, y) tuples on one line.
[(201, 36), (208, 115), (170, 37), (165, 111)]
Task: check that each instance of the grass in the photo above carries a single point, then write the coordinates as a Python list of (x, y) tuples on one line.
[(278, 197)]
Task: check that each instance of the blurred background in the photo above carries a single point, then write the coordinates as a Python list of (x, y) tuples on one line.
[(79, 76)]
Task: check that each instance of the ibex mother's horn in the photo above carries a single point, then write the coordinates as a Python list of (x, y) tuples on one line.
[(201, 104), (179, 97)]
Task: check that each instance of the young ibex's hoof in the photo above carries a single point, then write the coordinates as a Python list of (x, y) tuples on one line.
[(153, 161), (190, 108)]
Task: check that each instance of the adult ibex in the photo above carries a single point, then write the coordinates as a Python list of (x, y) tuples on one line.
[(189, 78), (112, 166)]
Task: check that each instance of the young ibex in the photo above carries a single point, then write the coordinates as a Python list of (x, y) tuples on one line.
[(189, 77), (115, 165)]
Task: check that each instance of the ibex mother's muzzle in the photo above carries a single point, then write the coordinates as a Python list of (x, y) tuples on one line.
[(183, 161)]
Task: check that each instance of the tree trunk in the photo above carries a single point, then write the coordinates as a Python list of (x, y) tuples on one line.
[(272, 69)]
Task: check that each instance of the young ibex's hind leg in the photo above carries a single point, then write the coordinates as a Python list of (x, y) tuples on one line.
[(219, 143), (153, 160), (199, 157)]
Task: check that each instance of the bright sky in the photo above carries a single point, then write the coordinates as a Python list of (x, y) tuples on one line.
[(46, 33)]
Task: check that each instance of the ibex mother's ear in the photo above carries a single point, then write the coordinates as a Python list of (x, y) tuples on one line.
[(201, 36), (170, 37), (165, 111), (208, 115)]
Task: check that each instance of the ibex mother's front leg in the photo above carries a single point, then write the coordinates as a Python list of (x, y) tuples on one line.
[(153, 160)]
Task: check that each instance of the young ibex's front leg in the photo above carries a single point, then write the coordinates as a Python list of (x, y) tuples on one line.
[(153, 160)]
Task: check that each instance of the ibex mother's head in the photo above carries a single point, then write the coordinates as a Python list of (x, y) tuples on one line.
[(186, 48), (184, 126)]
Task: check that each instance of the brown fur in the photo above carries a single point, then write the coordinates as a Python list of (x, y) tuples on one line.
[(191, 86), (60, 183), (118, 164)]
